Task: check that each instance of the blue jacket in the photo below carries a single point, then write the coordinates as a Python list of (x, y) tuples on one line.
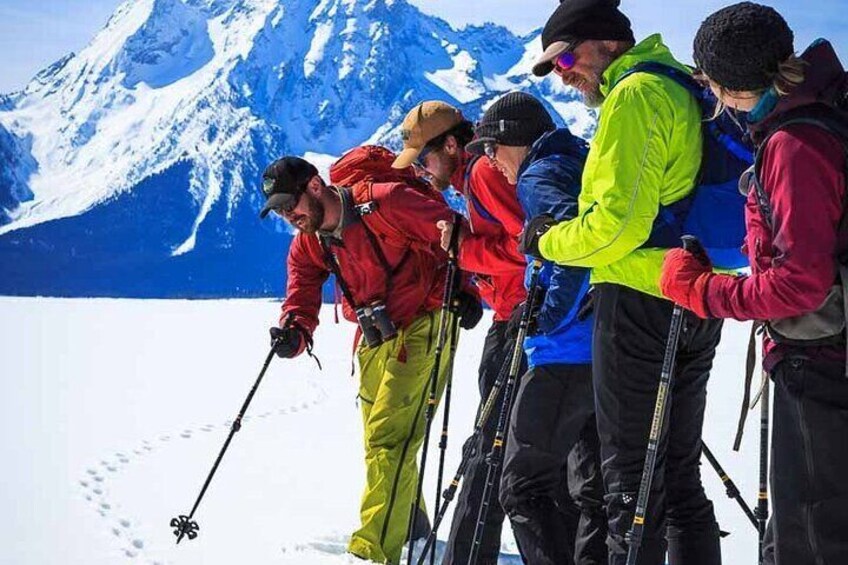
[(549, 183)]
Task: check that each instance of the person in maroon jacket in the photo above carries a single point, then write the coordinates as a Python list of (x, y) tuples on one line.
[(435, 135), (375, 230), (796, 201)]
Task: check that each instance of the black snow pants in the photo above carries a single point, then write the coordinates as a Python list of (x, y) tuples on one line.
[(551, 488), (630, 335), (809, 468), (496, 349)]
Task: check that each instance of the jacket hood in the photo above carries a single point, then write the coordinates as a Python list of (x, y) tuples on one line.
[(558, 142), (369, 163), (824, 78)]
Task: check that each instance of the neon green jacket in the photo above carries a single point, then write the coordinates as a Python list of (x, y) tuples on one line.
[(646, 152)]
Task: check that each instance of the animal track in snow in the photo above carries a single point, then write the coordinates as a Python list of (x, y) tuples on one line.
[(95, 481)]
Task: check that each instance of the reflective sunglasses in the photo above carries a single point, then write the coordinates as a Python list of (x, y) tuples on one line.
[(491, 150), (567, 59)]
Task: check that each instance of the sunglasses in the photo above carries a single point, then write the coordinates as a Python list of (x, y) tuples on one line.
[(288, 201), (567, 59), (421, 160), (288, 206), (491, 150)]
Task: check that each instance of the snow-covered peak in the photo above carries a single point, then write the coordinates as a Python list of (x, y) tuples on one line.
[(227, 85)]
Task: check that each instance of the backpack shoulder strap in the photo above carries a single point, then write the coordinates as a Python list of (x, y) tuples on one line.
[(478, 206), (682, 78), (705, 100), (367, 207), (819, 115), (333, 265)]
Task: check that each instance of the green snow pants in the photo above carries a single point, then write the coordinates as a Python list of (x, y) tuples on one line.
[(393, 392)]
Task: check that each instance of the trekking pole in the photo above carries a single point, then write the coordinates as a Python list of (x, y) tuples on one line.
[(732, 490), (661, 409), (468, 451), (762, 497), (443, 441), (495, 455), (447, 302), (185, 526)]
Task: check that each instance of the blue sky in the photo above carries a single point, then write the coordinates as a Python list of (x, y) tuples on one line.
[(34, 34)]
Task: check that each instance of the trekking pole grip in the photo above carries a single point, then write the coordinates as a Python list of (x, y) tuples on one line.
[(453, 246), (693, 246)]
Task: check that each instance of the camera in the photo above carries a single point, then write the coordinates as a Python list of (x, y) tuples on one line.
[(376, 325)]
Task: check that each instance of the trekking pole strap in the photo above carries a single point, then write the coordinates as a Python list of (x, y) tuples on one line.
[(750, 365)]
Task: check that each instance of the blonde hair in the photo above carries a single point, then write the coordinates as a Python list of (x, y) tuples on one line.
[(790, 74)]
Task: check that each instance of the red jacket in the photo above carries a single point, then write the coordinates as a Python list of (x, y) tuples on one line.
[(794, 265), (416, 260), (491, 249)]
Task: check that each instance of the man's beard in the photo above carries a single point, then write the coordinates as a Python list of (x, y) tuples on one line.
[(311, 221), (440, 183), (591, 92), (593, 97)]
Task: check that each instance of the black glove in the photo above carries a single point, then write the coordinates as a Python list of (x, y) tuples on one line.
[(469, 310), (288, 341), (535, 228)]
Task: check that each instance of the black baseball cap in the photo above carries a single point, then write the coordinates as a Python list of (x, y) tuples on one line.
[(578, 20), (283, 180)]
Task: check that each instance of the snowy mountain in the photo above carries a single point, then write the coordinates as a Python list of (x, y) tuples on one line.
[(130, 168)]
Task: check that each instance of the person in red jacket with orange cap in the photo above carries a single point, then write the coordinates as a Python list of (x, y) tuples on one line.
[(375, 230), (435, 135)]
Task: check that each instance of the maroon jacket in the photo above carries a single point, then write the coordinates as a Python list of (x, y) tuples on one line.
[(405, 229), (490, 251), (793, 264)]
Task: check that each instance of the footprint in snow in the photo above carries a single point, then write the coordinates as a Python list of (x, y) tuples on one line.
[(136, 548)]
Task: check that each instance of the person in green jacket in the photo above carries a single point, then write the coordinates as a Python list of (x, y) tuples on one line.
[(645, 154)]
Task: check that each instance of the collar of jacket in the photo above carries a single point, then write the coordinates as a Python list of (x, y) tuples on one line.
[(822, 74), (651, 48), (348, 215), (557, 142), (458, 177)]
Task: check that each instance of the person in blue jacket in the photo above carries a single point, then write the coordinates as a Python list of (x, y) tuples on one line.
[(551, 487)]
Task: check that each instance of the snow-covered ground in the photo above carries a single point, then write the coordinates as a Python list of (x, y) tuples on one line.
[(112, 412)]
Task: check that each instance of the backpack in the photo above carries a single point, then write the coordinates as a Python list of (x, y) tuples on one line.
[(714, 211), (360, 169), (827, 324)]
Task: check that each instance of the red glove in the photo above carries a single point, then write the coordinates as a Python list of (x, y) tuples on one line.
[(684, 280)]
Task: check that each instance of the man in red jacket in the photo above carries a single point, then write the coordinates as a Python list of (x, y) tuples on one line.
[(435, 135), (376, 232)]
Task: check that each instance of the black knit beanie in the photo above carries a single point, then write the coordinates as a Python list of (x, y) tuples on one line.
[(516, 119), (741, 46)]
